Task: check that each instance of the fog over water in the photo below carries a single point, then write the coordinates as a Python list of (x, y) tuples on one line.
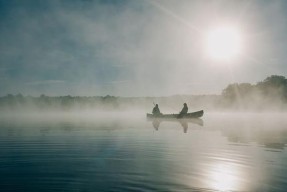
[(77, 79), (125, 152)]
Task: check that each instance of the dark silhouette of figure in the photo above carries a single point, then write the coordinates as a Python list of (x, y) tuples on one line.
[(156, 111), (183, 111)]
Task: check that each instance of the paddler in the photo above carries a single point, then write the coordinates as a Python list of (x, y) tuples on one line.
[(183, 111), (155, 110)]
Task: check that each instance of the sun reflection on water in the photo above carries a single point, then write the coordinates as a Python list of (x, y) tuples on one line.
[(225, 177)]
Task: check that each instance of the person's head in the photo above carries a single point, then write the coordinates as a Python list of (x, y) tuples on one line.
[(156, 105), (185, 104)]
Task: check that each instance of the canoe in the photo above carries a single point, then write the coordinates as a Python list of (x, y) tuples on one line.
[(195, 114)]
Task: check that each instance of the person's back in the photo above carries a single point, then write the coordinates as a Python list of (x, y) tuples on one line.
[(184, 110), (155, 110)]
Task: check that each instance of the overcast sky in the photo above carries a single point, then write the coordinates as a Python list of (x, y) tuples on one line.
[(136, 47)]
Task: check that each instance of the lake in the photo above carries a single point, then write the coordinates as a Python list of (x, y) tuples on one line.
[(80, 152)]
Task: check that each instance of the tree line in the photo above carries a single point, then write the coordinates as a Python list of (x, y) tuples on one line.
[(271, 92), (267, 94)]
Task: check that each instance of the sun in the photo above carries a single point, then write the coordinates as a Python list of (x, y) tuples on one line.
[(223, 43)]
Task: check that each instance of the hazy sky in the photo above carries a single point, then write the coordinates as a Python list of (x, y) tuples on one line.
[(135, 47)]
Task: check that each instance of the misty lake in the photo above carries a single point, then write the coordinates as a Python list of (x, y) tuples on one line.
[(70, 152)]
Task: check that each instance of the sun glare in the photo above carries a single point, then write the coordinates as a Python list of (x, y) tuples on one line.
[(223, 43), (225, 177)]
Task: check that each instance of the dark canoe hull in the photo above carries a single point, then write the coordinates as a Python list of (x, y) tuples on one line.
[(196, 114)]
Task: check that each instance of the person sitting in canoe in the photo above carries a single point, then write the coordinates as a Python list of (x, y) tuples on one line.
[(183, 111), (156, 111)]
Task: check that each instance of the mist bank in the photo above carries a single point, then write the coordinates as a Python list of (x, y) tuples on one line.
[(267, 95), (45, 103)]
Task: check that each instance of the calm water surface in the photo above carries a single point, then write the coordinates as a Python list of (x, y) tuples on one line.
[(221, 152)]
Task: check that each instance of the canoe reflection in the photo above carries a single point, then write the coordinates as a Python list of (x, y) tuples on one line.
[(183, 122)]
